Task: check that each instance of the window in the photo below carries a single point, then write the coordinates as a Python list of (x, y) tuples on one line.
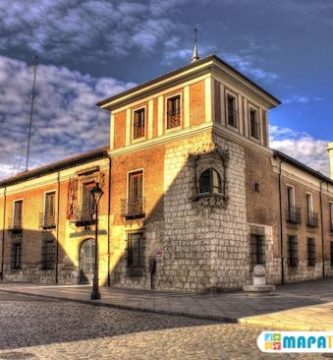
[(331, 253), (231, 110), (210, 182), (48, 255), (257, 247), (311, 252), (49, 211), (254, 124), (139, 124), (331, 216), (293, 213), (135, 252), (173, 112), (312, 218), (135, 194), (88, 207), (292, 251), (16, 255), (17, 223)]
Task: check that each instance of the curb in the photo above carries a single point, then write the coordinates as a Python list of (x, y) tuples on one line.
[(216, 318)]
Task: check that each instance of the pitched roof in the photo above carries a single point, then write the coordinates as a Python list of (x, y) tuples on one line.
[(56, 166), (182, 69)]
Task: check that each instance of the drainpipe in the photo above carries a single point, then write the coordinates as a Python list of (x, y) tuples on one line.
[(3, 235), (109, 213), (281, 223), (322, 226), (57, 242)]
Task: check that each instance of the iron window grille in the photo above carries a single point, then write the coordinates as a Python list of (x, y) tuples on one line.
[(16, 255), (257, 249), (294, 215), (254, 124), (232, 114), (210, 182), (173, 112), (139, 124), (48, 255), (135, 254), (312, 219), (292, 251), (311, 244)]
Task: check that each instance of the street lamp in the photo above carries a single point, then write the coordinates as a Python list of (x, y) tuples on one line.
[(96, 193)]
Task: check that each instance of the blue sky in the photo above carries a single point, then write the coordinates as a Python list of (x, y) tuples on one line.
[(89, 50)]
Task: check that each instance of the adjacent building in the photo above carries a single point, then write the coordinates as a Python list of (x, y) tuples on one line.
[(193, 197)]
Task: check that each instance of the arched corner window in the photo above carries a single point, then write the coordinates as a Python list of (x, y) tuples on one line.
[(210, 182)]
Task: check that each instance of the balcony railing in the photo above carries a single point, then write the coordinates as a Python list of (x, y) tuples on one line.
[(15, 225), (173, 119), (133, 209), (294, 215), (312, 220), (47, 221), (83, 217)]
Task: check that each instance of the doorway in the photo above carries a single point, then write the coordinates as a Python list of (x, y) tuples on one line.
[(87, 257)]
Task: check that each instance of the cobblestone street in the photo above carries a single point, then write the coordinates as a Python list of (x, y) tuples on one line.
[(35, 328)]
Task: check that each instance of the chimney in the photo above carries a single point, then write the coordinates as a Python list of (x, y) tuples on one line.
[(330, 154)]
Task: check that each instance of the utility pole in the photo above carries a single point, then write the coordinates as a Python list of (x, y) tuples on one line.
[(33, 95)]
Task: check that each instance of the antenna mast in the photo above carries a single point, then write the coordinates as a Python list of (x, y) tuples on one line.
[(33, 95)]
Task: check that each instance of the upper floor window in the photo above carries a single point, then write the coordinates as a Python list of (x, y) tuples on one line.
[(17, 221), (173, 112), (88, 207), (254, 124), (139, 124), (293, 213), (210, 182), (231, 110), (135, 195), (312, 217), (49, 210)]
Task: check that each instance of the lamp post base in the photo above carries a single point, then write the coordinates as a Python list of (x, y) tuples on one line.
[(95, 296)]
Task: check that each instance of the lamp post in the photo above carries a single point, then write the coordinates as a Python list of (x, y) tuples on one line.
[(96, 193)]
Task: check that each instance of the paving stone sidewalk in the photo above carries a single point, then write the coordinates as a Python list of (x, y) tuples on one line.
[(302, 306)]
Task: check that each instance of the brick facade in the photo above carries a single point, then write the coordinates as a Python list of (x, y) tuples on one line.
[(199, 203)]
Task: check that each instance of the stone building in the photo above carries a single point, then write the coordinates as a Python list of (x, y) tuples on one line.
[(193, 195)]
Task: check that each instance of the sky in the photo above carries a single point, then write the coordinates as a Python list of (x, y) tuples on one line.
[(89, 50)]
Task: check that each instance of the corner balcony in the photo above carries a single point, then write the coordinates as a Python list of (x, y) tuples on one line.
[(294, 215), (133, 209)]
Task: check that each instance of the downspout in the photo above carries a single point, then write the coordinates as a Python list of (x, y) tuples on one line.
[(109, 214), (3, 235), (322, 226), (57, 243), (281, 224)]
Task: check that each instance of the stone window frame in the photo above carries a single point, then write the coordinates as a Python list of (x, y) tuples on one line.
[(211, 185), (44, 221), (126, 202), (145, 113), (135, 270), (14, 223), (218, 159)]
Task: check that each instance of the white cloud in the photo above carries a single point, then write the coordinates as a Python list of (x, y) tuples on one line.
[(66, 118), (301, 146), (301, 99)]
